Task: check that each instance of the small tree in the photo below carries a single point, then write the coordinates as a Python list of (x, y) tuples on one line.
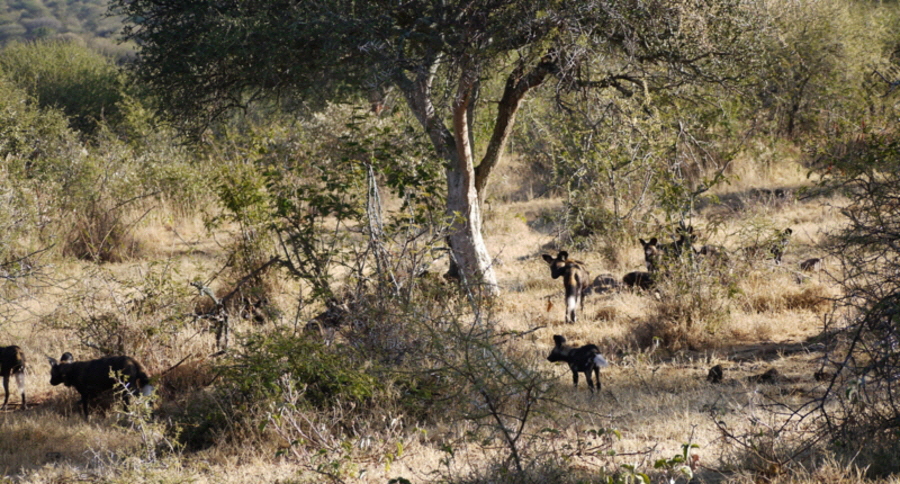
[(442, 57)]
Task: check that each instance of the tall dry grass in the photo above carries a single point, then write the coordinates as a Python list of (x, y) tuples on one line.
[(661, 343)]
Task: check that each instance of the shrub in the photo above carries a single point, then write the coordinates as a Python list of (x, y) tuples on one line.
[(137, 317), (328, 374), (68, 76), (694, 304), (865, 411)]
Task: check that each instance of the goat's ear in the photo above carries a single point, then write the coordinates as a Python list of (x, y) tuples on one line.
[(654, 241), (643, 242), (548, 258), (66, 358), (788, 231), (52, 361), (563, 255), (559, 339)]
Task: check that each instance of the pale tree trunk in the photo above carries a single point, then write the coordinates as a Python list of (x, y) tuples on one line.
[(463, 203), (465, 182)]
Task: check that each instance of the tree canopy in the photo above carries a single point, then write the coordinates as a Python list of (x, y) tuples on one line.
[(205, 57)]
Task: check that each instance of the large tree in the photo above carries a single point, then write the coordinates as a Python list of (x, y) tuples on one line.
[(204, 57)]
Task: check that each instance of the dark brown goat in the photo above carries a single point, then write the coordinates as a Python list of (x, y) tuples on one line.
[(576, 280), (584, 359), (91, 378), (12, 362)]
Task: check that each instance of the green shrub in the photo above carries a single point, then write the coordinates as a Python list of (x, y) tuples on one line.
[(83, 84), (31, 136), (330, 374)]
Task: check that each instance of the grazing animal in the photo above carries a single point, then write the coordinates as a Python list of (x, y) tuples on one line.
[(576, 280), (584, 359), (12, 362), (91, 378), (640, 279), (812, 265)]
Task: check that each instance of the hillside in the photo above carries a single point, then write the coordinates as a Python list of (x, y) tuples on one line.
[(87, 20)]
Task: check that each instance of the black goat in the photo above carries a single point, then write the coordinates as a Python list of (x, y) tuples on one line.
[(584, 359), (12, 362), (91, 378)]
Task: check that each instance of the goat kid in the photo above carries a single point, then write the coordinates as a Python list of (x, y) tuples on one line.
[(584, 359), (12, 362), (576, 280), (91, 378)]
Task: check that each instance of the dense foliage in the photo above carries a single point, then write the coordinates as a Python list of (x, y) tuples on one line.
[(66, 76)]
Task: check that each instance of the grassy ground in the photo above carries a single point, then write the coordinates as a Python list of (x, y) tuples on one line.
[(658, 398)]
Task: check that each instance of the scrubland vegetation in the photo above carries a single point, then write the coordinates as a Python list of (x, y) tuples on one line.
[(280, 274)]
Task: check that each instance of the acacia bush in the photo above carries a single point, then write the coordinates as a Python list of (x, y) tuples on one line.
[(31, 138), (855, 417), (694, 305)]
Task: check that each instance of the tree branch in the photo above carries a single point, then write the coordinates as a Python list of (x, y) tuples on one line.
[(517, 86)]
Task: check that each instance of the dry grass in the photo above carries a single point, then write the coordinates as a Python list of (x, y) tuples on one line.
[(655, 395)]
